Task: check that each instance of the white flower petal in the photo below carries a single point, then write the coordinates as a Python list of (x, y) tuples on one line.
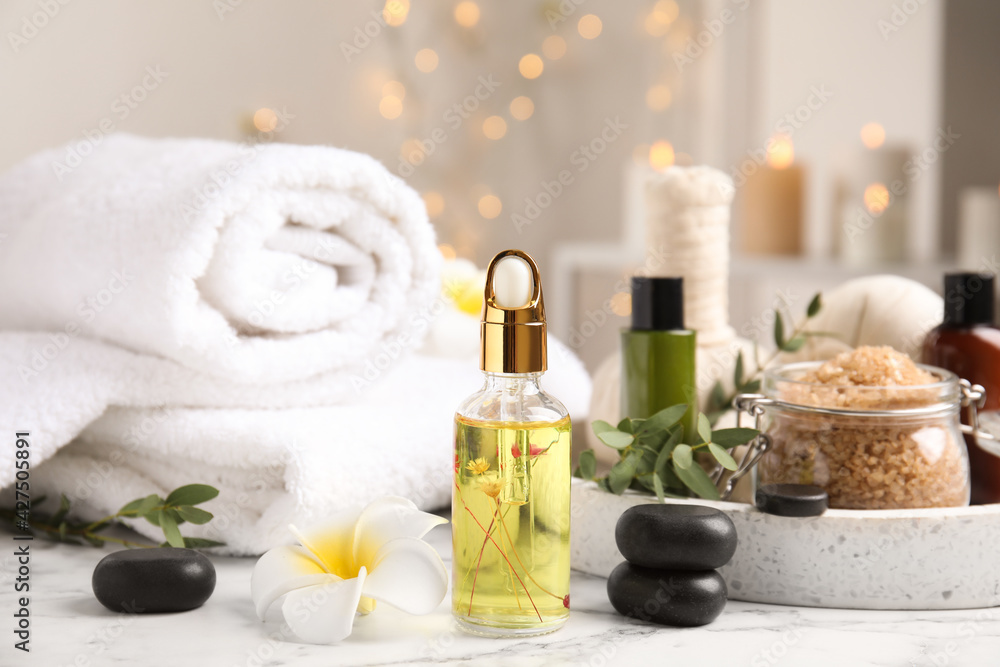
[(385, 519), (324, 614), (332, 542), (281, 570), (409, 575)]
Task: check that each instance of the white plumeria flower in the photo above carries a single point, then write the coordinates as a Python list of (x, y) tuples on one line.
[(346, 564)]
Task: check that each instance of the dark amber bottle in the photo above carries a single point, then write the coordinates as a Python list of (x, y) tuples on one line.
[(968, 344)]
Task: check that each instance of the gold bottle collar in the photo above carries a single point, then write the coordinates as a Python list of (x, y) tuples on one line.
[(513, 340)]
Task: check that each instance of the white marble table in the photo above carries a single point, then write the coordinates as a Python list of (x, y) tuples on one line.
[(69, 627)]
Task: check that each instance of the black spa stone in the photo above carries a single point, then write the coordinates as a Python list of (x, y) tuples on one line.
[(153, 580), (676, 537), (669, 597), (791, 499)]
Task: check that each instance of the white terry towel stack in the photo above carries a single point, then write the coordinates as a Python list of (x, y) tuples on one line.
[(177, 311)]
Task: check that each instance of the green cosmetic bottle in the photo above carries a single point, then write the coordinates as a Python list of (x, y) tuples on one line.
[(658, 353)]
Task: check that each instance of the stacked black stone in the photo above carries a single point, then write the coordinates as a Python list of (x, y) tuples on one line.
[(671, 553)]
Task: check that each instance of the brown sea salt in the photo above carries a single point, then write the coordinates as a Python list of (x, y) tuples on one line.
[(867, 462)]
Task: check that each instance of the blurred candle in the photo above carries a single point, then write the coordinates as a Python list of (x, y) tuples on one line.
[(772, 202), (978, 226)]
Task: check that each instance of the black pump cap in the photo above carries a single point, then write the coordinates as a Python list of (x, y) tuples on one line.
[(968, 299), (657, 304)]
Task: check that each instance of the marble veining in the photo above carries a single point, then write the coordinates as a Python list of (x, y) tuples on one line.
[(71, 628)]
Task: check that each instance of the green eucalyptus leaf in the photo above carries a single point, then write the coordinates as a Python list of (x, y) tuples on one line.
[(600, 426), (191, 494), (148, 503), (682, 457), (132, 508), (621, 475), (93, 541), (153, 517), (704, 428), (722, 456), (779, 330), (815, 305), (652, 440), (626, 425), (588, 464), (616, 439), (663, 419), (170, 529), (658, 487), (738, 373), (751, 387), (698, 481), (201, 543), (194, 515), (731, 437), (646, 461), (663, 458), (794, 345)]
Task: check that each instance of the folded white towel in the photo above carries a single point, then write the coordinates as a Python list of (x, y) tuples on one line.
[(257, 263), (273, 467)]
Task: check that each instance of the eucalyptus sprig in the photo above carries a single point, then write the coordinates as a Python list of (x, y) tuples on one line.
[(168, 513), (719, 403), (654, 457)]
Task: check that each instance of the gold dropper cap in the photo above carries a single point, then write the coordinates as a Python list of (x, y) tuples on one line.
[(513, 340)]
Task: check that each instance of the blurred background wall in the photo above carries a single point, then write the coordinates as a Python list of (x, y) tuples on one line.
[(482, 105)]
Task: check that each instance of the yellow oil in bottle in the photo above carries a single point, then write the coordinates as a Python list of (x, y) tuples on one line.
[(510, 526)]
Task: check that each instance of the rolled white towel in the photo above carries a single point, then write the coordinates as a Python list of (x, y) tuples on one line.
[(257, 263)]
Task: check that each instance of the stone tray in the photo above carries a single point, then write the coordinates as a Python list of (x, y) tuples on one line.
[(943, 558)]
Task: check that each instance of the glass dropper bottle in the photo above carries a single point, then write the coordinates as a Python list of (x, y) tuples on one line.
[(511, 497)]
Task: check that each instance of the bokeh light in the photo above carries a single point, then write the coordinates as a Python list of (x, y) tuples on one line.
[(658, 21), (447, 251), (872, 135), (661, 155), (265, 119), (426, 60), (780, 151), (554, 47), (621, 304), (531, 66), (396, 11), (390, 107), (589, 26), (467, 13), (494, 127), (876, 198), (522, 107), (490, 206)]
